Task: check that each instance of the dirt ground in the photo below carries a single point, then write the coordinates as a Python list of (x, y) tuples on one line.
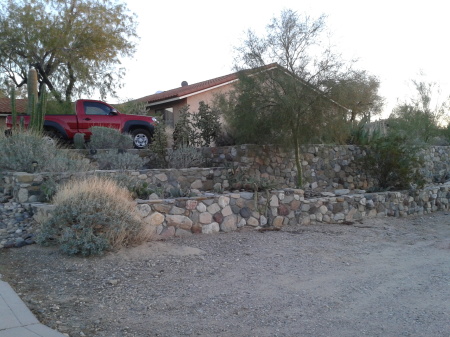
[(381, 277)]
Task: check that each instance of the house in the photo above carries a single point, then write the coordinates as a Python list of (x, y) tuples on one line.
[(168, 103), (6, 109)]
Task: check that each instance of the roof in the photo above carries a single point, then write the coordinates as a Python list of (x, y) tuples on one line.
[(191, 89), (5, 105)]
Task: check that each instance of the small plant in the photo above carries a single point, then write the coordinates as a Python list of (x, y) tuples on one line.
[(159, 145), (185, 157), (49, 187), (78, 141), (108, 138), (206, 121), (137, 187), (178, 192), (92, 215), (119, 160), (183, 133)]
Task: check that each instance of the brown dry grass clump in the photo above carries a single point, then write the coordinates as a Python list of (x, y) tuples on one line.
[(92, 215)]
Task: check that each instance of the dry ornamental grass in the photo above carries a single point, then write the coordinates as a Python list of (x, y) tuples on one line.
[(92, 215)]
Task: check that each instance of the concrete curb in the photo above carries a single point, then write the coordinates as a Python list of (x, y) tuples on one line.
[(17, 320)]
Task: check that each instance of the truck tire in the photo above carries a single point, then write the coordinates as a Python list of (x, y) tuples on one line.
[(53, 137), (141, 138)]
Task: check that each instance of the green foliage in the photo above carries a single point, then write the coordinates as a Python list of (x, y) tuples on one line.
[(419, 119), (133, 107), (49, 187), (118, 160), (185, 156), (359, 93), (206, 121), (108, 138), (90, 216), (60, 108), (184, 133), (23, 147), (159, 145), (393, 163), (74, 45)]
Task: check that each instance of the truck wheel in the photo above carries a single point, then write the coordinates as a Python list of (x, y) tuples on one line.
[(141, 138), (53, 137)]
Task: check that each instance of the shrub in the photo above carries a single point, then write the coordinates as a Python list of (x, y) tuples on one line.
[(119, 160), (137, 187), (185, 156), (108, 138), (206, 121), (184, 133), (78, 141), (159, 146), (92, 215), (29, 151), (393, 162)]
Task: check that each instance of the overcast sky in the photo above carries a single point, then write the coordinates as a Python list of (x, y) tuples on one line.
[(193, 40)]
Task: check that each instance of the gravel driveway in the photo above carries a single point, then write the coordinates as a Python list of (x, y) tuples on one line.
[(380, 277)]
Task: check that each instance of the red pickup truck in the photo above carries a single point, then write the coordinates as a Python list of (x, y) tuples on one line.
[(89, 113)]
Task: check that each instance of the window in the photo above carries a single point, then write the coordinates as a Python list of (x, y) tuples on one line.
[(166, 115), (96, 108)]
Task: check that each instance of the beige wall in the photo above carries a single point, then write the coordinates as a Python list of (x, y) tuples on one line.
[(193, 101)]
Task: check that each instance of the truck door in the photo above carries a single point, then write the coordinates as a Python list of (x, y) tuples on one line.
[(97, 114)]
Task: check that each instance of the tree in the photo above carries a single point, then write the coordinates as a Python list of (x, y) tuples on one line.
[(359, 93), (74, 45), (284, 99), (420, 119)]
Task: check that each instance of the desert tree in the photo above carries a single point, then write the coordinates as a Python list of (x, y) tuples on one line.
[(75, 45), (359, 93), (282, 93), (421, 117)]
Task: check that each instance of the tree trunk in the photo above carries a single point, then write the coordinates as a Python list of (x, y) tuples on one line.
[(298, 163)]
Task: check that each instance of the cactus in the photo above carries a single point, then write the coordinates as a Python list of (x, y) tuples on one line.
[(13, 107), (32, 98), (41, 110)]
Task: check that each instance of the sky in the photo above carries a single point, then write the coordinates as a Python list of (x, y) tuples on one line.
[(194, 40)]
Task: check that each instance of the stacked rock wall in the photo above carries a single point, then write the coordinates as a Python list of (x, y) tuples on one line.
[(228, 212)]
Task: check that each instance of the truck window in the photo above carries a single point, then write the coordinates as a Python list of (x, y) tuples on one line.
[(96, 108)]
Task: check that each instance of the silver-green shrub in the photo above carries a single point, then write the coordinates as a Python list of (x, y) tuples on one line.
[(119, 160), (138, 188), (78, 141), (92, 215), (29, 151), (185, 156), (108, 138)]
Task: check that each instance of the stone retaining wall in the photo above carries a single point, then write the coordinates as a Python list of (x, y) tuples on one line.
[(27, 187), (325, 168), (213, 213)]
